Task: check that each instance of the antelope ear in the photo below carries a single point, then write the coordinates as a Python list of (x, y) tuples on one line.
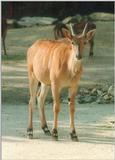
[(90, 34), (66, 33)]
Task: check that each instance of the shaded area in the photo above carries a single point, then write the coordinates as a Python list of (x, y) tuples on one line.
[(93, 123), (94, 128)]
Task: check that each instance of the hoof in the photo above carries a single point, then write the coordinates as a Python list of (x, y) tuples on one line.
[(55, 134), (30, 133), (46, 130), (74, 136)]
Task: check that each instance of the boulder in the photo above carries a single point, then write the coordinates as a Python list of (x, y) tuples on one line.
[(67, 20), (84, 91), (31, 21), (76, 18), (105, 87), (94, 92), (27, 22), (111, 90), (101, 16), (12, 23), (46, 20), (99, 92), (107, 97), (100, 100)]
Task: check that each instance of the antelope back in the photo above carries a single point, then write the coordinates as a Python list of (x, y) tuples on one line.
[(53, 59)]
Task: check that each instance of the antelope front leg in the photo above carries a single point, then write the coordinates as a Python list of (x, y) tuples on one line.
[(56, 109), (72, 94)]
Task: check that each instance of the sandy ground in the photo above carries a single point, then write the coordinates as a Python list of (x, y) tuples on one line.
[(94, 125)]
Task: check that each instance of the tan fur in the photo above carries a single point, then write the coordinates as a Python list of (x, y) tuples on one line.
[(50, 60), (53, 63)]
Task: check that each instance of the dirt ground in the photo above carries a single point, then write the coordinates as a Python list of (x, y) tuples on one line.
[(94, 125), (94, 122)]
